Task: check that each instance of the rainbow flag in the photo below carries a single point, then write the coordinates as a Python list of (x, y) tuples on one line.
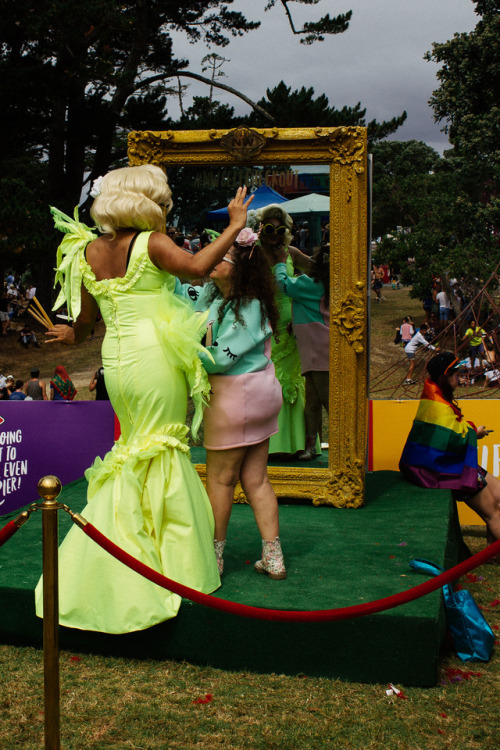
[(441, 449)]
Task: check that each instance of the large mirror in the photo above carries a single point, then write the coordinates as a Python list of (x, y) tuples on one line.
[(203, 167)]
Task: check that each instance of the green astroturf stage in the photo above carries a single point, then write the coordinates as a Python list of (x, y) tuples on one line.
[(334, 557)]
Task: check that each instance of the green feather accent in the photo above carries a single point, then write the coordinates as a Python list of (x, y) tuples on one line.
[(69, 255)]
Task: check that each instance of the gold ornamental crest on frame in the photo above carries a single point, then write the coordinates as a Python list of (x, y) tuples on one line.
[(242, 142)]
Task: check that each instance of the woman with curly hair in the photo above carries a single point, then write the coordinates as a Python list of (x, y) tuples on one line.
[(310, 295), (274, 237), (246, 397)]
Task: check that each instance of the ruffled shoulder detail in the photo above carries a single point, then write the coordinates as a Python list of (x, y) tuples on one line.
[(181, 330), (123, 457), (70, 253), (119, 284)]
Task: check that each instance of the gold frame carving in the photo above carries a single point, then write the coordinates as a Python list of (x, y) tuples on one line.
[(344, 149)]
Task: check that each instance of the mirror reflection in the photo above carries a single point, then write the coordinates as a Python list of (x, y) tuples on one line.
[(290, 211)]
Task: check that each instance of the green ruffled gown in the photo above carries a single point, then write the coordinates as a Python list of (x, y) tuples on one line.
[(291, 435), (145, 495)]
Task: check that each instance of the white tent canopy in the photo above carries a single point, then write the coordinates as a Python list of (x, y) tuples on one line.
[(312, 203), (310, 208)]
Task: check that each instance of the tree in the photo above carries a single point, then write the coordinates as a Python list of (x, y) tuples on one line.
[(457, 233), (214, 63), (299, 108), (403, 178), (468, 103), (313, 31), (74, 78)]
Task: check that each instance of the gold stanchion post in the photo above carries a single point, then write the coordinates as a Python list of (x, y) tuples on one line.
[(49, 488)]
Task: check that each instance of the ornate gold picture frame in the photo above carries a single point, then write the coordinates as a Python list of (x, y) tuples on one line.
[(344, 150)]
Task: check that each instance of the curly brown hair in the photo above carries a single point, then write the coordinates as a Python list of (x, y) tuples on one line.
[(251, 279)]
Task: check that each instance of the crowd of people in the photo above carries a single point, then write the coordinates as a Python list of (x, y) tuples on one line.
[(15, 299), (59, 388), (480, 361), (477, 344)]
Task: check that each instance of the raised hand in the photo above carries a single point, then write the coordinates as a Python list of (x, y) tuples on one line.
[(238, 207)]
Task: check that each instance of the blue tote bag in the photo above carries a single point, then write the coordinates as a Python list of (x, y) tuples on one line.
[(472, 636)]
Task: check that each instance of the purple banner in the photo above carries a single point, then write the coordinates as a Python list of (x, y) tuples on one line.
[(49, 437)]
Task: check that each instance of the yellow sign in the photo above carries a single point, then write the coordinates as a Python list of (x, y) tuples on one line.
[(391, 422)]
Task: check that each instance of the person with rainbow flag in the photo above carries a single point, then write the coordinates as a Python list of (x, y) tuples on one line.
[(441, 449)]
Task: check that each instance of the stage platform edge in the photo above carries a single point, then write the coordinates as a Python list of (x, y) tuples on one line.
[(335, 558)]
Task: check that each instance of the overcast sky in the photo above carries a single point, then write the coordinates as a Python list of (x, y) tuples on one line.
[(378, 61)]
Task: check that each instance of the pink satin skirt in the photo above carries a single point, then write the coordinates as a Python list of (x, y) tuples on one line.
[(243, 409)]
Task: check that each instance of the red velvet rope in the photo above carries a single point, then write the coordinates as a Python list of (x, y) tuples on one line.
[(321, 615), (8, 530)]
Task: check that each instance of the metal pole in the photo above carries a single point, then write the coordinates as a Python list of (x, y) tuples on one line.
[(49, 488)]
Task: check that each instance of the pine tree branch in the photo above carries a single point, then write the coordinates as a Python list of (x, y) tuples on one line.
[(163, 76), (314, 30)]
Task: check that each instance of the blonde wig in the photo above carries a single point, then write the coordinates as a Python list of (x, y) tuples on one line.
[(132, 197), (274, 211)]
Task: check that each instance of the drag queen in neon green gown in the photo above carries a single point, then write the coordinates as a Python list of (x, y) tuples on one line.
[(145, 494)]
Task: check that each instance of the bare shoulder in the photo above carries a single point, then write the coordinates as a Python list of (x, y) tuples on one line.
[(161, 250), (95, 248), (296, 253), (156, 241), (300, 259), (99, 243)]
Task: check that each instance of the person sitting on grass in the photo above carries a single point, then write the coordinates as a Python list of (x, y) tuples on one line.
[(10, 385), (18, 392), (36, 388), (27, 336), (61, 386)]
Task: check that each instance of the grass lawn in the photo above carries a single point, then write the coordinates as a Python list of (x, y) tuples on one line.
[(125, 703)]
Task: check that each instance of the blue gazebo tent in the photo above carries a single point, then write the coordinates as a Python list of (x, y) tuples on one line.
[(263, 197)]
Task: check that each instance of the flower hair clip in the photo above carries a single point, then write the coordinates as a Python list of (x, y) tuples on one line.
[(96, 187), (247, 238)]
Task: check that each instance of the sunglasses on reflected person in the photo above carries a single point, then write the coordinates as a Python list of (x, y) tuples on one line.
[(271, 229)]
